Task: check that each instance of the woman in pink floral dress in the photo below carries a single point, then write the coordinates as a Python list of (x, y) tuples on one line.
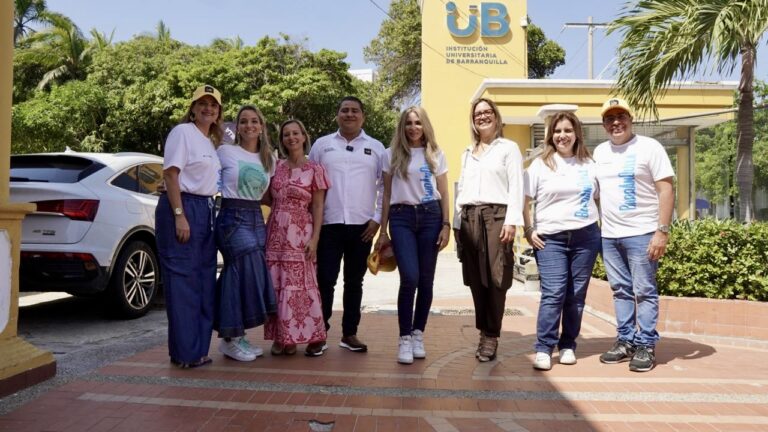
[(298, 193)]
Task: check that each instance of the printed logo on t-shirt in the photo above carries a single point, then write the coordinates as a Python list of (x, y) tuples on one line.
[(627, 176), (584, 195), (426, 180), (252, 181)]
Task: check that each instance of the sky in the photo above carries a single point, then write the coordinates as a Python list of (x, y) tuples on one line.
[(341, 25)]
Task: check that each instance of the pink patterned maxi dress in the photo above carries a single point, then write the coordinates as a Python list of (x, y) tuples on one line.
[(299, 317)]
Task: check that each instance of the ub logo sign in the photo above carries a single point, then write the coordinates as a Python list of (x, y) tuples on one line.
[(493, 20)]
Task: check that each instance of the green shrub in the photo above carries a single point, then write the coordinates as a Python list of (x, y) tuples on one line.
[(710, 258)]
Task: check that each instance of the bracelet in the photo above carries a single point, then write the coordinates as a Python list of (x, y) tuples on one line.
[(529, 229), (447, 224)]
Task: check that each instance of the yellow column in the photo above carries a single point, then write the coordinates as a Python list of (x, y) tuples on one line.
[(683, 191), (21, 364)]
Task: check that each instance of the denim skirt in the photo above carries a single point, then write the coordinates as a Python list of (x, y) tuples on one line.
[(244, 292)]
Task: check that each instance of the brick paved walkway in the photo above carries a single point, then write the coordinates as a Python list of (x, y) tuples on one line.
[(697, 386)]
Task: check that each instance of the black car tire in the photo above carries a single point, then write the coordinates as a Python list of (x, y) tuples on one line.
[(135, 280)]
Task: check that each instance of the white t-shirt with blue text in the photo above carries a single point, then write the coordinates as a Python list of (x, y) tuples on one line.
[(242, 174), (627, 175), (564, 197), (421, 185)]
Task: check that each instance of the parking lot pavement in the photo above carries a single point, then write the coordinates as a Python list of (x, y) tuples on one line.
[(697, 385)]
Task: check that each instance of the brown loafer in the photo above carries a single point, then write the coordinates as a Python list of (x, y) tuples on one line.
[(316, 349), (353, 344), (289, 349)]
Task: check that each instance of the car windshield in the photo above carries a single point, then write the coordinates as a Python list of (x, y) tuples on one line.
[(52, 168)]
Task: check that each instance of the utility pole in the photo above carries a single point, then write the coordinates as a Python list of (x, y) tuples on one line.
[(590, 32)]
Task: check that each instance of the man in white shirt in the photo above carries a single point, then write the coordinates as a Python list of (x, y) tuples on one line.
[(637, 199), (351, 215)]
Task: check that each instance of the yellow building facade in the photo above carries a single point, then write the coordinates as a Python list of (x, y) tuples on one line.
[(473, 50)]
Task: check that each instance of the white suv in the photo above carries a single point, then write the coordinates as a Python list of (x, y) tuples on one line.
[(94, 228)]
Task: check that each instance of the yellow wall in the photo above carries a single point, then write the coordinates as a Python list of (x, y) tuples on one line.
[(447, 87)]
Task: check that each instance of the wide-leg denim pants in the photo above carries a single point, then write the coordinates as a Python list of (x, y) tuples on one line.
[(414, 230), (189, 276), (565, 268)]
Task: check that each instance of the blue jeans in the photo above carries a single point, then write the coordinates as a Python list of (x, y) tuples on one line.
[(244, 294), (415, 229), (565, 267), (632, 277), (189, 276)]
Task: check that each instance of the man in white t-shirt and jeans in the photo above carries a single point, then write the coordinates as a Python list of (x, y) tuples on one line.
[(636, 199)]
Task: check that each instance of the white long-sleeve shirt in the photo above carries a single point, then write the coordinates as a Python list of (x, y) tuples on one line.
[(355, 170), (494, 177)]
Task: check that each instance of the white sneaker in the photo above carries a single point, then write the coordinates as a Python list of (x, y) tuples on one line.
[(234, 350), (567, 356), (543, 361), (243, 342), (417, 340), (405, 351)]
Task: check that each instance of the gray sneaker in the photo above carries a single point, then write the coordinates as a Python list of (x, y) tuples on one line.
[(620, 352), (643, 360)]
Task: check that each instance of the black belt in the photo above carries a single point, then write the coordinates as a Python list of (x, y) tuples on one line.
[(239, 203)]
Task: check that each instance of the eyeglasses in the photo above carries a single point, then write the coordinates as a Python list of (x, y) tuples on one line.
[(486, 113), (612, 118)]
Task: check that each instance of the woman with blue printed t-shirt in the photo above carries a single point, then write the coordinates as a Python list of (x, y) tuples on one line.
[(245, 295), (184, 228), (416, 208), (564, 235)]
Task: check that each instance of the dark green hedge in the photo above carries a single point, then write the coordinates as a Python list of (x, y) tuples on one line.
[(711, 258)]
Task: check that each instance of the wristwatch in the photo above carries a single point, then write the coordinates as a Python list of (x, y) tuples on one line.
[(178, 211), (663, 228)]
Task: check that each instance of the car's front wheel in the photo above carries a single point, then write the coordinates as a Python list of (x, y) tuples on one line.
[(135, 280)]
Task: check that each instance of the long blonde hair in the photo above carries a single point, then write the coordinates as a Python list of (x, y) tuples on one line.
[(216, 131), (264, 145), (401, 151), (579, 148)]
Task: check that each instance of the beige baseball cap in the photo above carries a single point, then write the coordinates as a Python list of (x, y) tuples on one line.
[(616, 103), (206, 90)]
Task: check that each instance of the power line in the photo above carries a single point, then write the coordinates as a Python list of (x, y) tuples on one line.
[(426, 44)]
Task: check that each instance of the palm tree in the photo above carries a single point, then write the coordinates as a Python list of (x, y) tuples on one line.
[(63, 47), (675, 39), (163, 33), (25, 13), (101, 41)]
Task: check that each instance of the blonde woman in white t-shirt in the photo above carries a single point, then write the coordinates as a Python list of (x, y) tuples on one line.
[(245, 295), (415, 209), (564, 234)]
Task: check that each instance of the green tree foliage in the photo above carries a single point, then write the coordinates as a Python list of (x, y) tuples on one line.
[(134, 92), (62, 49), (544, 55), (716, 153), (69, 115), (666, 40), (396, 51), (25, 14)]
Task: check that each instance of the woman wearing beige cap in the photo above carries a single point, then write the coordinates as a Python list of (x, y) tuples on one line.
[(184, 228)]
